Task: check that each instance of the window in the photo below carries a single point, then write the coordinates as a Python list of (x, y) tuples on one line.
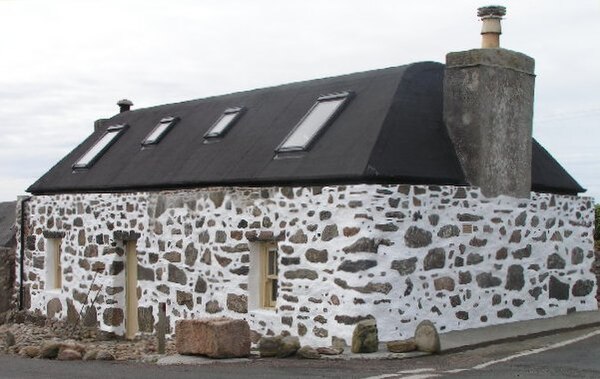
[(269, 273), (94, 153), (227, 119), (318, 117), (160, 130), (53, 264)]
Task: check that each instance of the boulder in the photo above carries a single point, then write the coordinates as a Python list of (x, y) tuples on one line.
[(29, 351), (9, 339), (364, 337), (330, 350), (269, 346), (278, 346), (289, 346), (427, 338), (104, 355), (213, 337), (49, 350), (402, 346), (308, 352), (90, 355), (68, 355)]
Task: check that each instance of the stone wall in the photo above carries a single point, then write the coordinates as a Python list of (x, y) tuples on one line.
[(7, 278), (400, 254)]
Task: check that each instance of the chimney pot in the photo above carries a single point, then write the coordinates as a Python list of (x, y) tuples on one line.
[(124, 105), (491, 27)]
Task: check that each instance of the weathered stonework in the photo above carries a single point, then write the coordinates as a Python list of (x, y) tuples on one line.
[(398, 254)]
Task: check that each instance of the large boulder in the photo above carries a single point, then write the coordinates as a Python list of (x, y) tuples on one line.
[(213, 337), (427, 338), (278, 346), (364, 337)]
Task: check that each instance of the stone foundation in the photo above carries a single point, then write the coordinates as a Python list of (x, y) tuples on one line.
[(396, 253)]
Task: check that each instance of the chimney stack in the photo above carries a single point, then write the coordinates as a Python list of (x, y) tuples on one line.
[(488, 111), (124, 105)]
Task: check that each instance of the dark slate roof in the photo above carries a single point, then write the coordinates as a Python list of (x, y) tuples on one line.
[(391, 131), (7, 223)]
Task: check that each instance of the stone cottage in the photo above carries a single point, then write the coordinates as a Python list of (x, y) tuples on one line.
[(401, 194)]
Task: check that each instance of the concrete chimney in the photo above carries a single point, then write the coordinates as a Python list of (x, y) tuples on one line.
[(124, 105), (488, 111)]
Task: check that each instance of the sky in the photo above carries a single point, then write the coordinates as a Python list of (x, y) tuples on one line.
[(65, 63)]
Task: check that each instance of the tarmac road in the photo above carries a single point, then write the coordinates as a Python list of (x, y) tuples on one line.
[(565, 355)]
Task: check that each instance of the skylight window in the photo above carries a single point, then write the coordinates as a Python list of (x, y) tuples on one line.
[(318, 117), (160, 130), (227, 119), (96, 151)]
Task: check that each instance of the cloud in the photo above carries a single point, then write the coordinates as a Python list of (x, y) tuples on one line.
[(67, 62)]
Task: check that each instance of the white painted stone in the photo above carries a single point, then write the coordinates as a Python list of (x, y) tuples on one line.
[(356, 206)]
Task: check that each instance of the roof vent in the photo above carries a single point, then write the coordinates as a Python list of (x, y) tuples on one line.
[(491, 28), (124, 105)]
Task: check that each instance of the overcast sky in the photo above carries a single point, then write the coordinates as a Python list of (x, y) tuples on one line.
[(65, 63)]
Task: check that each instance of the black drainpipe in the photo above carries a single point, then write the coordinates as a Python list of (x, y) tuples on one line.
[(22, 251)]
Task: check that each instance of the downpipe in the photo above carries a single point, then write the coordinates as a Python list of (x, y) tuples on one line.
[(22, 252)]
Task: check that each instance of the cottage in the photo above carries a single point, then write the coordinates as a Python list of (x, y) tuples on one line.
[(401, 194)]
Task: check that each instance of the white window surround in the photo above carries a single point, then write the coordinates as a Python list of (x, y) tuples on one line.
[(53, 264), (255, 278), (319, 116), (99, 147)]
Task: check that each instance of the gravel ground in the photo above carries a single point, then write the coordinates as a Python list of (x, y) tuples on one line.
[(35, 330)]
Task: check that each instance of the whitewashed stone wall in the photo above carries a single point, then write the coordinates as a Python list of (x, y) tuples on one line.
[(400, 254)]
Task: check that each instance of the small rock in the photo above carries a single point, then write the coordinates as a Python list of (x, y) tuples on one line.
[(427, 338), (364, 337), (49, 350), (402, 346), (9, 339), (30, 351), (330, 350), (90, 355), (308, 352), (104, 355), (68, 355), (278, 346), (289, 346)]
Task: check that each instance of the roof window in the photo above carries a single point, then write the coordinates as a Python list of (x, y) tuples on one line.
[(95, 152), (160, 130), (222, 125), (320, 115)]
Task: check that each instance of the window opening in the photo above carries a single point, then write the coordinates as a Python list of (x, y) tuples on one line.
[(160, 130), (270, 273), (320, 115), (226, 121), (96, 151), (53, 264)]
